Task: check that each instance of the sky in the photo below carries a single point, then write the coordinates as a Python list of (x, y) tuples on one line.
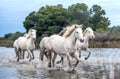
[(14, 12)]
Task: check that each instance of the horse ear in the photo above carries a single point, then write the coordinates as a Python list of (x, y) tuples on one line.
[(81, 26), (76, 26)]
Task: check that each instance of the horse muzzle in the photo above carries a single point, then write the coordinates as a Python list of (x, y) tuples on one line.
[(81, 40)]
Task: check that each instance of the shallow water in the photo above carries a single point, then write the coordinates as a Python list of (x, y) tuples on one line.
[(104, 63)]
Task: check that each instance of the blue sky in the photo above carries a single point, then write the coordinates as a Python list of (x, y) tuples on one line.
[(13, 12)]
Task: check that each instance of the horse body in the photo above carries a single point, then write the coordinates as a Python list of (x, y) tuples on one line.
[(43, 47), (64, 45), (88, 34), (26, 44)]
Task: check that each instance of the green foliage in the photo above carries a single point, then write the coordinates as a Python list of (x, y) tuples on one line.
[(13, 36), (79, 13), (51, 19), (115, 29), (30, 21), (97, 18)]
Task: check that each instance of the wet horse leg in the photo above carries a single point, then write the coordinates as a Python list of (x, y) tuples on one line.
[(41, 54), (32, 54), (79, 54), (69, 61), (88, 54), (53, 60), (28, 55), (18, 54), (45, 52), (49, 57), (23, 54), (77, 59)]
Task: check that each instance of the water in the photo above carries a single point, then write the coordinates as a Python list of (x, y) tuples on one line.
[(104, 63)]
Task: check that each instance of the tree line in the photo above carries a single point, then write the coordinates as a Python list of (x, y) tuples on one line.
[(51, 19)]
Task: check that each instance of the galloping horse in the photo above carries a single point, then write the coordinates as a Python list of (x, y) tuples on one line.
[(88, 34), (65, 45), (26, 44)]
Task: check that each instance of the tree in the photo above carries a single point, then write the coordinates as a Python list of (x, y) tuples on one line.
[(51, 19), (47, 20), (79, 13), (30, 21), (97, 18)]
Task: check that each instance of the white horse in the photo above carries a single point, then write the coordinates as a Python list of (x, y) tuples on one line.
[(26, 43), (88, 34), (15, 45), (63, 46), (43, 47)]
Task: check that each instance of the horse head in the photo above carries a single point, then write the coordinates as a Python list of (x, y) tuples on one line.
[(32, 32), (90, 33), (78, 33)]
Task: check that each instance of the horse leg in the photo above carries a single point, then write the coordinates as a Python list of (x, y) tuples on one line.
[(79, 54), (69, 61), (28, 55), (32, 54), (45, 52), (49, 57), (20, 54), (77, 59), (41, 55), (29, 51), (88, 54), (53, 60), (16, 52), (23, 54), (62, 60)]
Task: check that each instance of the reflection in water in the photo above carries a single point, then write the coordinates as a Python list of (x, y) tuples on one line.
[(27, 73), (102, 64)]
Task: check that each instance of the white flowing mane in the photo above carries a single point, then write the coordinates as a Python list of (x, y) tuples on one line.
[(70, 29)]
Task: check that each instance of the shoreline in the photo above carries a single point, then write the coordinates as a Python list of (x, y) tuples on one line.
[(92, 44)]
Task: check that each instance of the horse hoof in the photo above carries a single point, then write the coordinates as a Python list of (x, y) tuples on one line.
[(33, 58), (49, 65), (17, 60), (27, 57), (86, 58), (30, 60)]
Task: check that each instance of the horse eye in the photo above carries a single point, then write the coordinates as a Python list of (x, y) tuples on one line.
[(76, 31)]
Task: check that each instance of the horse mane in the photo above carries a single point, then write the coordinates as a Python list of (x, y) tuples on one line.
[(27, 35), (86, 30), (31, 30), (62, 31), (70, 29)]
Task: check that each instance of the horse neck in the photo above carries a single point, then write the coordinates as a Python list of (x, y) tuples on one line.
[(86, 39), (31, 40), (72, 39)]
